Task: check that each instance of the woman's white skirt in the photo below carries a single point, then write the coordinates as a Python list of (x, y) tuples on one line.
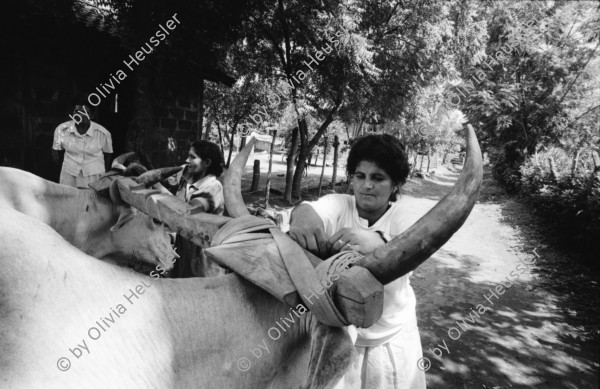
[(392, 365)]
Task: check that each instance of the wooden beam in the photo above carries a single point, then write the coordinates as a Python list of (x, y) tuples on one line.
[(254, 256)]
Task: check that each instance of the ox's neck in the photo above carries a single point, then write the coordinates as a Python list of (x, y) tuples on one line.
[(218, 323), (86, 221)]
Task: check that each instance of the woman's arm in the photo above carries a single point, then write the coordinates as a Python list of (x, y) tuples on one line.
[(306, 228), (363, 241)]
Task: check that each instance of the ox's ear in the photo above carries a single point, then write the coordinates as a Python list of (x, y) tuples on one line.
[(331, 353), (127, 213)]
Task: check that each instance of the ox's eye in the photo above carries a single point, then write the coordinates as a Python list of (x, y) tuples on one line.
[(157, 222)]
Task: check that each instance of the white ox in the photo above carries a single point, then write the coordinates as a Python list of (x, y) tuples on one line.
[(94, 224), (178, 333)]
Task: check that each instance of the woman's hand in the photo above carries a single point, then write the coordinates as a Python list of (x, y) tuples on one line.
[(306, 228), (365, 242)]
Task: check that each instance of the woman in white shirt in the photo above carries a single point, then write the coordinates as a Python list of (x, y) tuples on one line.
[(199, 187), (388, 351)]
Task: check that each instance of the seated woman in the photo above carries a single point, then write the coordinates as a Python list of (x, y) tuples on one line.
[(389, 350), (198, 186)]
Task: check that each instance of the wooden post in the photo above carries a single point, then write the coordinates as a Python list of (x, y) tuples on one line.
[(268, 191), (336, 145), (255, 176), (323, 168)]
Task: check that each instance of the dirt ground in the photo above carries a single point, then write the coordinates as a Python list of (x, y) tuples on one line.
[(540, 330)]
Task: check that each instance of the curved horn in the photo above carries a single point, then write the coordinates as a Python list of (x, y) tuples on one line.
[(122, 159), (153, 176), (409, 249), (232, 183)]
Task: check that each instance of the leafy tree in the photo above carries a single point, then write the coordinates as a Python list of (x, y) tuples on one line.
[(519, 91)]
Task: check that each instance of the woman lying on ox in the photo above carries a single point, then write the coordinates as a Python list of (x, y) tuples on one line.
[(198, 186), (389, 350)]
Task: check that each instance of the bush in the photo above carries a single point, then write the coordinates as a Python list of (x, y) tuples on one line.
[(506, 170), (572, 201)]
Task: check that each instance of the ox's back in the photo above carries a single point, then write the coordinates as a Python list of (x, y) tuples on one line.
[(68, 210), (174, 334), (92, 223)]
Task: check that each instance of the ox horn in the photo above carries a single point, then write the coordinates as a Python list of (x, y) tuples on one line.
[(232, 183), (409, 249), (121, 160), (152, 177)]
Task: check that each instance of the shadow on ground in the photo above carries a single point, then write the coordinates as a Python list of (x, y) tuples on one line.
[(514, 340), (534, 335)]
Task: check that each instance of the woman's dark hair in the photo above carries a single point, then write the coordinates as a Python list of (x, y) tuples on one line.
[(209, 150), (385, 151)]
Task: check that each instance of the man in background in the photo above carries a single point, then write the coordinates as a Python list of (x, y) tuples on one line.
[(87, 148)]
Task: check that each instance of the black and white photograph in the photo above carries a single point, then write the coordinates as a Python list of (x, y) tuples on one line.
[(300, 194)]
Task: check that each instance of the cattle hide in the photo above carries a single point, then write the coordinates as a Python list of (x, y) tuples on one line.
[(186, 333)]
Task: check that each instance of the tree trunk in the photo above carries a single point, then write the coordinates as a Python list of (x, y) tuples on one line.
[(268, 191), (575, 161), (412, 171), (323, 168), (200, 110), (209, 122), (596, 159), (231, 144), (307, 147), (421, 166), (553, 173), (290, 167), (428, 162), (302, 157), (221, 140), (336, 145)]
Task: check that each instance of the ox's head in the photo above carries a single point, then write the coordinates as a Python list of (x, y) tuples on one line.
[(139, 241)]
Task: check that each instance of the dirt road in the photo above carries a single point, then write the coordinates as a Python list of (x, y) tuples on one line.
[(538, 330)]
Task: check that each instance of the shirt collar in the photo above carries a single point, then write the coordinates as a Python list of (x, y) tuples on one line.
[(73, 130), (201, 181), (365, 222)]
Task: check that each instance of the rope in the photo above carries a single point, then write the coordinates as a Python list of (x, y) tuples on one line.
[(313, 284)]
